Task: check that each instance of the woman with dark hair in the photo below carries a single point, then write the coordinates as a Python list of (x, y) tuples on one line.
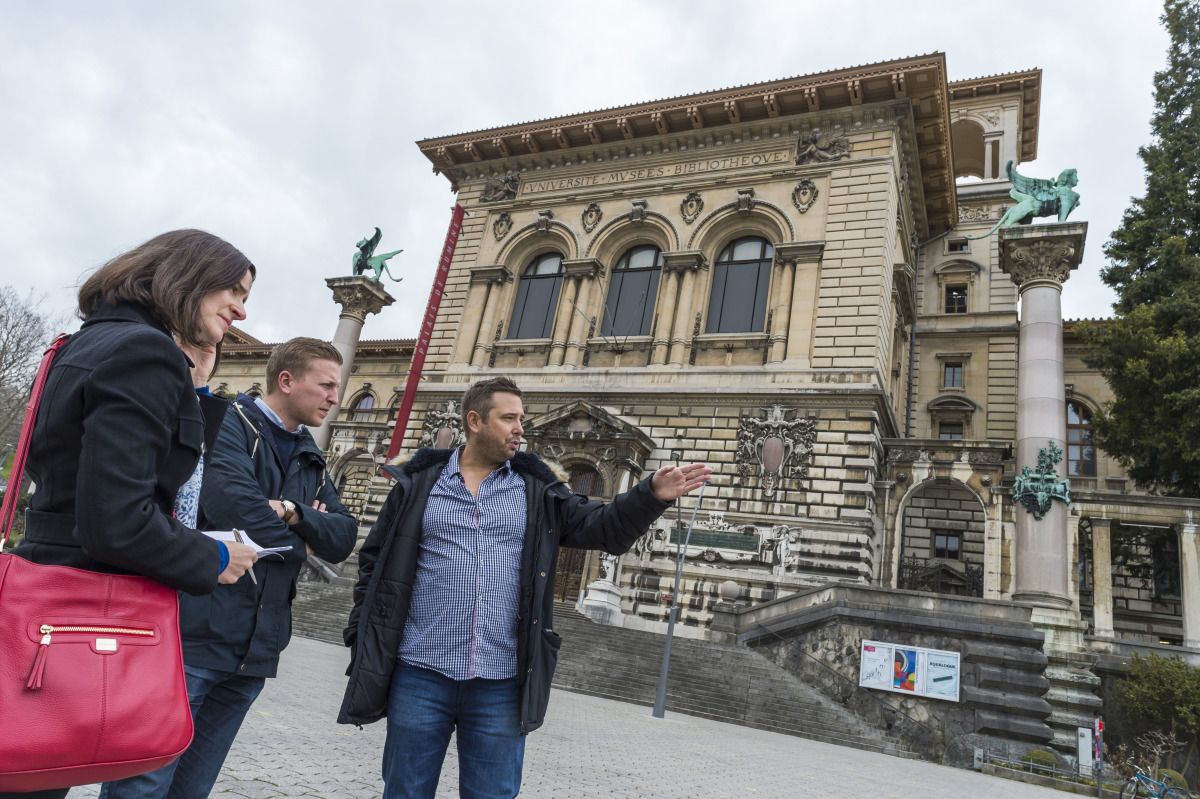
[(120, 429)]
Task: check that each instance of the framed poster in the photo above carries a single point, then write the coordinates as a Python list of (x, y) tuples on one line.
[(913, 670)]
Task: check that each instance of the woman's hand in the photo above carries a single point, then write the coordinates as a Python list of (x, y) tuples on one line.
[(242, 558)]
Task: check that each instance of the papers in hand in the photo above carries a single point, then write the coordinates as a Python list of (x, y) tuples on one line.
[(240, 537)]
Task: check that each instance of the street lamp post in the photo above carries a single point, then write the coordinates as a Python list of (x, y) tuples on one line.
[(660, 693)]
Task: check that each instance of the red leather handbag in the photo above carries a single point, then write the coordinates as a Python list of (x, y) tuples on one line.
[(91, 670)]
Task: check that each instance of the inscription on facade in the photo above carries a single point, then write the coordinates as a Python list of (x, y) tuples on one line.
[(695, 167)]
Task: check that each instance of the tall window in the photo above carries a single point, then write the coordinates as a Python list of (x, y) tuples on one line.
[(363, 407), (537, 297), (1081, 452), (631, 295), (741, 278), (956, 299), (952, 374)]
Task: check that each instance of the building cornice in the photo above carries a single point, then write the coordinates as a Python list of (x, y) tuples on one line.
[(1027, 85), (778, 105)]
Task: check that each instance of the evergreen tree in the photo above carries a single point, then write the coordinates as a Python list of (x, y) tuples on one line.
[(1150, 351)]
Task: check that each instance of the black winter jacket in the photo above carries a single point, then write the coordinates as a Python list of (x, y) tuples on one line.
[(118, 431), (387, 566), (243, 627)]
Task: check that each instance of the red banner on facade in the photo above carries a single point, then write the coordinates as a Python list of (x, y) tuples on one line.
[(431, 311)]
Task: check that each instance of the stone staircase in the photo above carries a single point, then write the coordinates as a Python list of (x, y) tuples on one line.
[(726, 683)]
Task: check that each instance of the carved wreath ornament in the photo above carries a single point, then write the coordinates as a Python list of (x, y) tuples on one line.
[(774, 447)]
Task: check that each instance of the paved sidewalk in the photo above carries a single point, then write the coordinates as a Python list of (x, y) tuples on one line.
[(589, 747)]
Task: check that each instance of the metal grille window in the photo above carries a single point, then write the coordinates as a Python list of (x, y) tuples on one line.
[(632, 293), (1081, 452), (956, 299), (537, 297), (741, 277), (947, 545), (587, 481)]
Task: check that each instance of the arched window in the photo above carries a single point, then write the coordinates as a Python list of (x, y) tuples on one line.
[(967, 139), (1081, 452), (632, 292), (741, 278), (537, 297), (587, 481), (363, 406)]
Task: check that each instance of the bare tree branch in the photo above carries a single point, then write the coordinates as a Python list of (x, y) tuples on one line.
[(24, 333)]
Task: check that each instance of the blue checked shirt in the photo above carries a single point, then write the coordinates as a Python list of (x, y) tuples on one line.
[(462, 620)]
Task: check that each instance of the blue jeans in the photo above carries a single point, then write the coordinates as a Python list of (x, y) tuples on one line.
[(424, 707), (219, 702)]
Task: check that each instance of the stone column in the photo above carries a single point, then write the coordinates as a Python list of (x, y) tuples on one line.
[(1189, 581), (806, 257), (587, 272), (493, 278), (781, 305), (562, 319), (1039, 259), (668, 302), (687, 264), (359, 296), (485, 282), (993, 545), (1102, 600)]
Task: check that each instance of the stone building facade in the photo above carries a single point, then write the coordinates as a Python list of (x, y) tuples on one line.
[(780, 280)]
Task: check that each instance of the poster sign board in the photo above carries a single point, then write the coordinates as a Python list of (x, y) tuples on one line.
[(914, 670)]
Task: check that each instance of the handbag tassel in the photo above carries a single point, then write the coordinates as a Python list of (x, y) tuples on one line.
[(34, 682)]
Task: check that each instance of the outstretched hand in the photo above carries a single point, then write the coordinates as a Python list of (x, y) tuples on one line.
[(671, 482)]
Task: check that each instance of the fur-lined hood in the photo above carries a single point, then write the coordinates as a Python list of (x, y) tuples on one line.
[(525, 463)]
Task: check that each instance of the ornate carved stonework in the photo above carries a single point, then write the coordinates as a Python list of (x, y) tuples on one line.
[(819, 147), (638, 214), (443, 427), (804, 195), (906, 455), (745, 200), (591, 217), (543, 221), (976, 213), (691, 207), (774, 447), (359, 296), (1040, 260), (985, 458), (502, 187), (502, 225)]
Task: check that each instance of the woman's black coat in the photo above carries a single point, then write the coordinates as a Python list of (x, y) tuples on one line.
[(119, 429)]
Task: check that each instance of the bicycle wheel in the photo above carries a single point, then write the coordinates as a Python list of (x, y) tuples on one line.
[(1132, 789), (1175, 793)]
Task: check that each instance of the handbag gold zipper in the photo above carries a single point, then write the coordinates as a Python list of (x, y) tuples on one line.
[(34, 682)]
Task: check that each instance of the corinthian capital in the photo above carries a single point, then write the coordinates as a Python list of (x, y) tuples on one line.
[(358, 296), (1043, 253)]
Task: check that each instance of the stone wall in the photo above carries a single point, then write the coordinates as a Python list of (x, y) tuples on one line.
[(817, 636)]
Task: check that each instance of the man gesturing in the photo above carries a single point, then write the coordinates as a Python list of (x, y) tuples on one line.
[(451, 626)]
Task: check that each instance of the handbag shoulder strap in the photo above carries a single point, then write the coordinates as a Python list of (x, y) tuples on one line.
[(15, 475)]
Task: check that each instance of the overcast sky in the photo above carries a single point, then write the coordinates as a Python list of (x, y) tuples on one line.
[(288, 127)]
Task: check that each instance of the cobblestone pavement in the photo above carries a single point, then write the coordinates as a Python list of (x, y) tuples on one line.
[(589, 747)]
